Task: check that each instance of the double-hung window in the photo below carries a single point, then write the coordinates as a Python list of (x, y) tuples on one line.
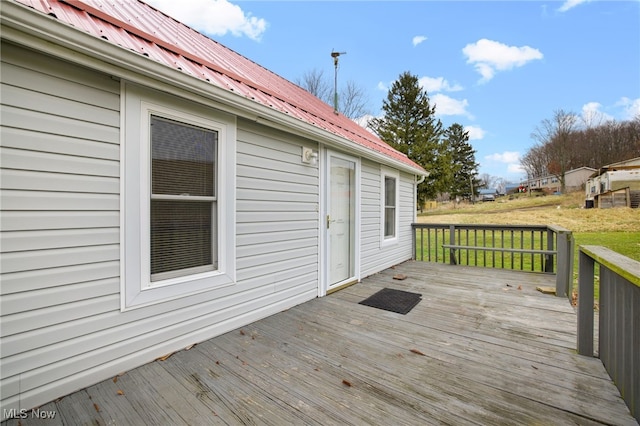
[(390, 206), (183, 199), (178, 203)]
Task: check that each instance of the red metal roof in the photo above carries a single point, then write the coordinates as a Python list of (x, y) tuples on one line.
[(136, 26)]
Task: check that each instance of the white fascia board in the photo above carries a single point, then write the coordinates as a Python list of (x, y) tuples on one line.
[(23, 25)]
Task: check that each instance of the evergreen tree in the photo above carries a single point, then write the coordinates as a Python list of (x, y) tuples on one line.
[(410, 126), (463, 166)]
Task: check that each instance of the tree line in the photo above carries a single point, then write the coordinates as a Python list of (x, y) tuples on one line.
[(567, 141)]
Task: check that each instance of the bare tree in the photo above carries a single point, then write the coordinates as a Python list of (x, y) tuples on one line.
[(488, 181), (315, 83), (535, 161), (501, 185), (352, 99), (563, 146), (556, 135)]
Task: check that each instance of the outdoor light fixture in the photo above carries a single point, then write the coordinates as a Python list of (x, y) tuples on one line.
[(309, 156)]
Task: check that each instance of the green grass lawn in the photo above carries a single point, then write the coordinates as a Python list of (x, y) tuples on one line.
[(625, 243)]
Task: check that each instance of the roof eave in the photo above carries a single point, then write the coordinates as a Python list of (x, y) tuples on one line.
[(22, 25)]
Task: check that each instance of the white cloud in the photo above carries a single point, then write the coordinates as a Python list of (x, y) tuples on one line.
[(446, 105), (489, 56), (631, 107), (418, 39), (213, 17), (570, 4), (592, 116), (515, 168), (508, 157), (438, 84), (364, 121), (382, 86), (475, 132)]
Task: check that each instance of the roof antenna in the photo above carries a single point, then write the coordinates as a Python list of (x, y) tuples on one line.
[(335, 55)]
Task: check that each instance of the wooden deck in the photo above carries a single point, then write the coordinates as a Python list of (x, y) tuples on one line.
[(482, 347)]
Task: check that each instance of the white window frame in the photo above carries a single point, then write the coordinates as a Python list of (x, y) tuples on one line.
[(385, 173), (137, 289)]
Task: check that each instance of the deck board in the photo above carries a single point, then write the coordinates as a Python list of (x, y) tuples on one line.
[(487, 349)]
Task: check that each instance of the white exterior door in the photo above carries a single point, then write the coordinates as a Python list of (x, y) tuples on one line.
[(341, 219)]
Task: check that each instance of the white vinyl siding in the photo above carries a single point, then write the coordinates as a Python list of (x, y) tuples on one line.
[(62, 326), (277, 212), (376, 256), (60, 210)]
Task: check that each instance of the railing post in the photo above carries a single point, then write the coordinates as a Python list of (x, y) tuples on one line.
[(548, 258), (452, 241), (564, 274), (414, 245), (561, 243), (585, 304)]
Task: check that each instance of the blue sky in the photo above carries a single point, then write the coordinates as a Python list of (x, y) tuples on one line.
[(498, 68)]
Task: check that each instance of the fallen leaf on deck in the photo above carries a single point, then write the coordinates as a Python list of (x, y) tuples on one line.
[(96, 407), (346, 382), (519, 287), (415, 351), (164, 358), (120, 392), (400, 277)]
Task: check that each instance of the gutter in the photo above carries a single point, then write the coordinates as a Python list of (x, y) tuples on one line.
[(422, 178)]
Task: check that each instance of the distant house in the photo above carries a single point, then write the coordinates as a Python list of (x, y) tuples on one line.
[(615, 185), (159, 189), (574, 181)]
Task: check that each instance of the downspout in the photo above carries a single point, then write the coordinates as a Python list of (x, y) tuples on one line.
[(415, 196)]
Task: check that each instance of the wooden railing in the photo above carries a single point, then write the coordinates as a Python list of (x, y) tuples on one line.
[(536, 248), (619, 317)]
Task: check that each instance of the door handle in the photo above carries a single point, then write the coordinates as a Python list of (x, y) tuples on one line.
[(328, 221)]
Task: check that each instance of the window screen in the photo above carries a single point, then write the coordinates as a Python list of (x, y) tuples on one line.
[(183, 199)]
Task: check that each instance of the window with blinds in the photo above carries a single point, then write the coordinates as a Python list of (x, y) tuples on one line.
[(389, 207), (183, 199)]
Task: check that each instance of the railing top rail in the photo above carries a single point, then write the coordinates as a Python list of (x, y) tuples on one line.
[(559, 229), (485, 226), (616, 262)]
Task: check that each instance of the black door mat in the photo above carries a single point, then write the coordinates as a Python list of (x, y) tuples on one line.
[(397, 301)]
